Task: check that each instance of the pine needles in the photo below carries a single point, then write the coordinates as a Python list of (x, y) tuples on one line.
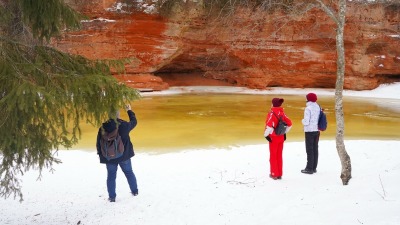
[(47, 17)]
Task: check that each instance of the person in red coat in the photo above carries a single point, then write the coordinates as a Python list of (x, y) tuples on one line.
[(276, 141)]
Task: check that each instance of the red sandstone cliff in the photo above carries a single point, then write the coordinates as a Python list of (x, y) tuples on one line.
[(254, 49)]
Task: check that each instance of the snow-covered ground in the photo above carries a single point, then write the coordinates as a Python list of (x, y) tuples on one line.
[(388, 91), (221, 186)]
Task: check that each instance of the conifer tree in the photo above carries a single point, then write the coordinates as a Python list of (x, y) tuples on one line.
[(45, 93)]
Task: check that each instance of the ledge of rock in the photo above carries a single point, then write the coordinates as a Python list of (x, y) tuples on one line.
[(255, 50)]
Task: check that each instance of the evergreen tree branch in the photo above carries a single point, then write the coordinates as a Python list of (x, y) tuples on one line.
[(47, 18), (45, 94)]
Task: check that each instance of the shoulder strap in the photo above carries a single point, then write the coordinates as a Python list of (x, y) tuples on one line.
[(274, 114), (276, 117)]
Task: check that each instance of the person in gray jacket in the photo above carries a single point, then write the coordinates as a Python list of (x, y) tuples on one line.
[(310, 122)]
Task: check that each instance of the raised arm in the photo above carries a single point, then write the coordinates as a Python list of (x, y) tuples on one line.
[(132, 117)]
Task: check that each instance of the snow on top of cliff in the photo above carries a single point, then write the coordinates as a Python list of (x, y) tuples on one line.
[(117, 7), (387, 91), (148, 7), (99, 20)]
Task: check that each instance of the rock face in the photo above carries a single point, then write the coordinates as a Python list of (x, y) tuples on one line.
[(253, 49)]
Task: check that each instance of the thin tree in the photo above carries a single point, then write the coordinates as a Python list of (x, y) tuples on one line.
[(339, 18), (44, 93)]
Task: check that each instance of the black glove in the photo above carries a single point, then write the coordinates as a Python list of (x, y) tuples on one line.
[(284, 137), (268, 138)]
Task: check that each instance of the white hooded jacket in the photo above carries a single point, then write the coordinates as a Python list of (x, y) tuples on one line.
[(311, 116)]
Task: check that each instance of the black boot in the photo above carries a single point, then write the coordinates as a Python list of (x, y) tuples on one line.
[(274, 178), (307, 171)]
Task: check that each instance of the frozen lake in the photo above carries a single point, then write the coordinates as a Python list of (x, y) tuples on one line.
[(185, 121)]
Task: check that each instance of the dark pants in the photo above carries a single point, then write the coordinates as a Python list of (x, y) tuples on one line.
[(312, 139), (126, 167)]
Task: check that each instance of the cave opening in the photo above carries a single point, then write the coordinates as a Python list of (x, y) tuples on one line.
[(190, 78), (388, 78), (198, 67)]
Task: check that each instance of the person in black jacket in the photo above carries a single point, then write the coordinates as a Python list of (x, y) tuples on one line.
[(124, 161)]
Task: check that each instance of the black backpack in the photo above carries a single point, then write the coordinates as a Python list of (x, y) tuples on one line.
[(111, 144), (280, 129)]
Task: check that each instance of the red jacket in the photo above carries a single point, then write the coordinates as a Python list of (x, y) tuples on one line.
[(272, 120)]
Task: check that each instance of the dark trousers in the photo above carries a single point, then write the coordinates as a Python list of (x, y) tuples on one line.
[(312, 139), (126, 167)]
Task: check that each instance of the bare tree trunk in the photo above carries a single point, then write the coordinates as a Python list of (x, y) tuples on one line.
[(341, 149)]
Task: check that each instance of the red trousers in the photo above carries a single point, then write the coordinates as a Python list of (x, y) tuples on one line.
[(275, 155)]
